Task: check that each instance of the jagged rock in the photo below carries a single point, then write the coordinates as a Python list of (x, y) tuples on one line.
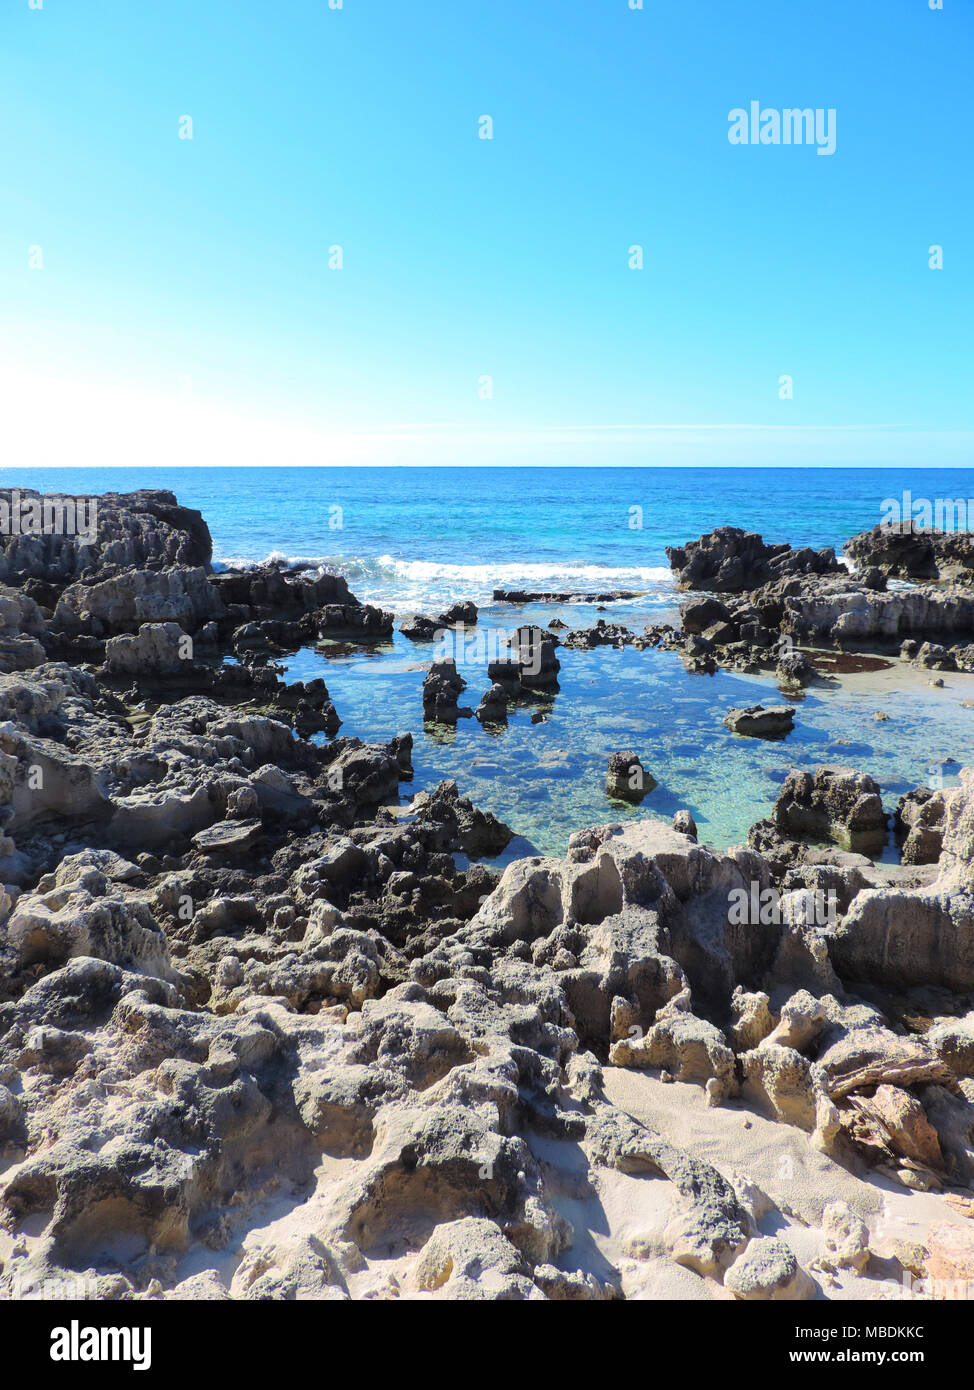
[(906, 937), (441, 690), (794, 670), (157, 649), (831, 803), (907, 550), (461, 825), (702, 614), (471, 1258), (299, 1269), (684, 824), (848, 613), (932, 656), (919, 825), (533, 650), (752, 1019), (423, 629), (21, 625), (952, 1117), (126, 600), (40, 778), (953, 1042), (601, 635), (84, 916), (362, 622), (786, 1085), (493, 707), (131, 530), (229, 837), (902, 1119), (729, 560), (802, 1019), (563, 595)]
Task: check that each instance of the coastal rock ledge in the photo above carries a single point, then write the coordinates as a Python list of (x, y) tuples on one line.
[(272, 1029)]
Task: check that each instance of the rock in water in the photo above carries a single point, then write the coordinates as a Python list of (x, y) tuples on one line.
[(627, 779), (759, 721)]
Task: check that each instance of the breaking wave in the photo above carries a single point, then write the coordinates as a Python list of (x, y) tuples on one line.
[(387, 578)]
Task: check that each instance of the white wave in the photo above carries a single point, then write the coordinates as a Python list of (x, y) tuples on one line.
[(280, 557), (512, 572), (418, 584)]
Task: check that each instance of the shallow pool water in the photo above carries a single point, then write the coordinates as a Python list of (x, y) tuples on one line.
[(547, 779)]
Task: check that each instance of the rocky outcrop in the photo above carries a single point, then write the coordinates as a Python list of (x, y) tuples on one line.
[(268, 1030), (919, 825), (421, 628), (442, 689), (132, 530), (21, 628), (909, 937), (601, 635), (133, 597), (493, 705), (730, 561), (834, 804), (533, 651), (158, 649), (851, 615), (906, 550)]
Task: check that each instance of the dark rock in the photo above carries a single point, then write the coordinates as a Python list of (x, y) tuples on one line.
[(563, 596), (627, 779), (834, 804), (907, 550), (729, 560), (759, 721), (441, 690)]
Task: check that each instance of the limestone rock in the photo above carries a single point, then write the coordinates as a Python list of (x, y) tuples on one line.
[(768, 1270)]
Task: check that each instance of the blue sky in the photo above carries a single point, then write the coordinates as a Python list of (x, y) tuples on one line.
[(185, 311)]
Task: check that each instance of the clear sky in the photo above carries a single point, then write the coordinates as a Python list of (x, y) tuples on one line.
[(171, 300)]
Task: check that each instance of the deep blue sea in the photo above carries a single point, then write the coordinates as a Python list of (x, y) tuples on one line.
[(413, 539)]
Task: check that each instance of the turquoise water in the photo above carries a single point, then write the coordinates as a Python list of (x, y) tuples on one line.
[(417, 534), (417, 538)]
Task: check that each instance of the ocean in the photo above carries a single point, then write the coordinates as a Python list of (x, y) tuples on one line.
[(415, 539)]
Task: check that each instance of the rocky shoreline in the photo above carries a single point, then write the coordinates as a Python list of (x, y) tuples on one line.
[(269, 1030)]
